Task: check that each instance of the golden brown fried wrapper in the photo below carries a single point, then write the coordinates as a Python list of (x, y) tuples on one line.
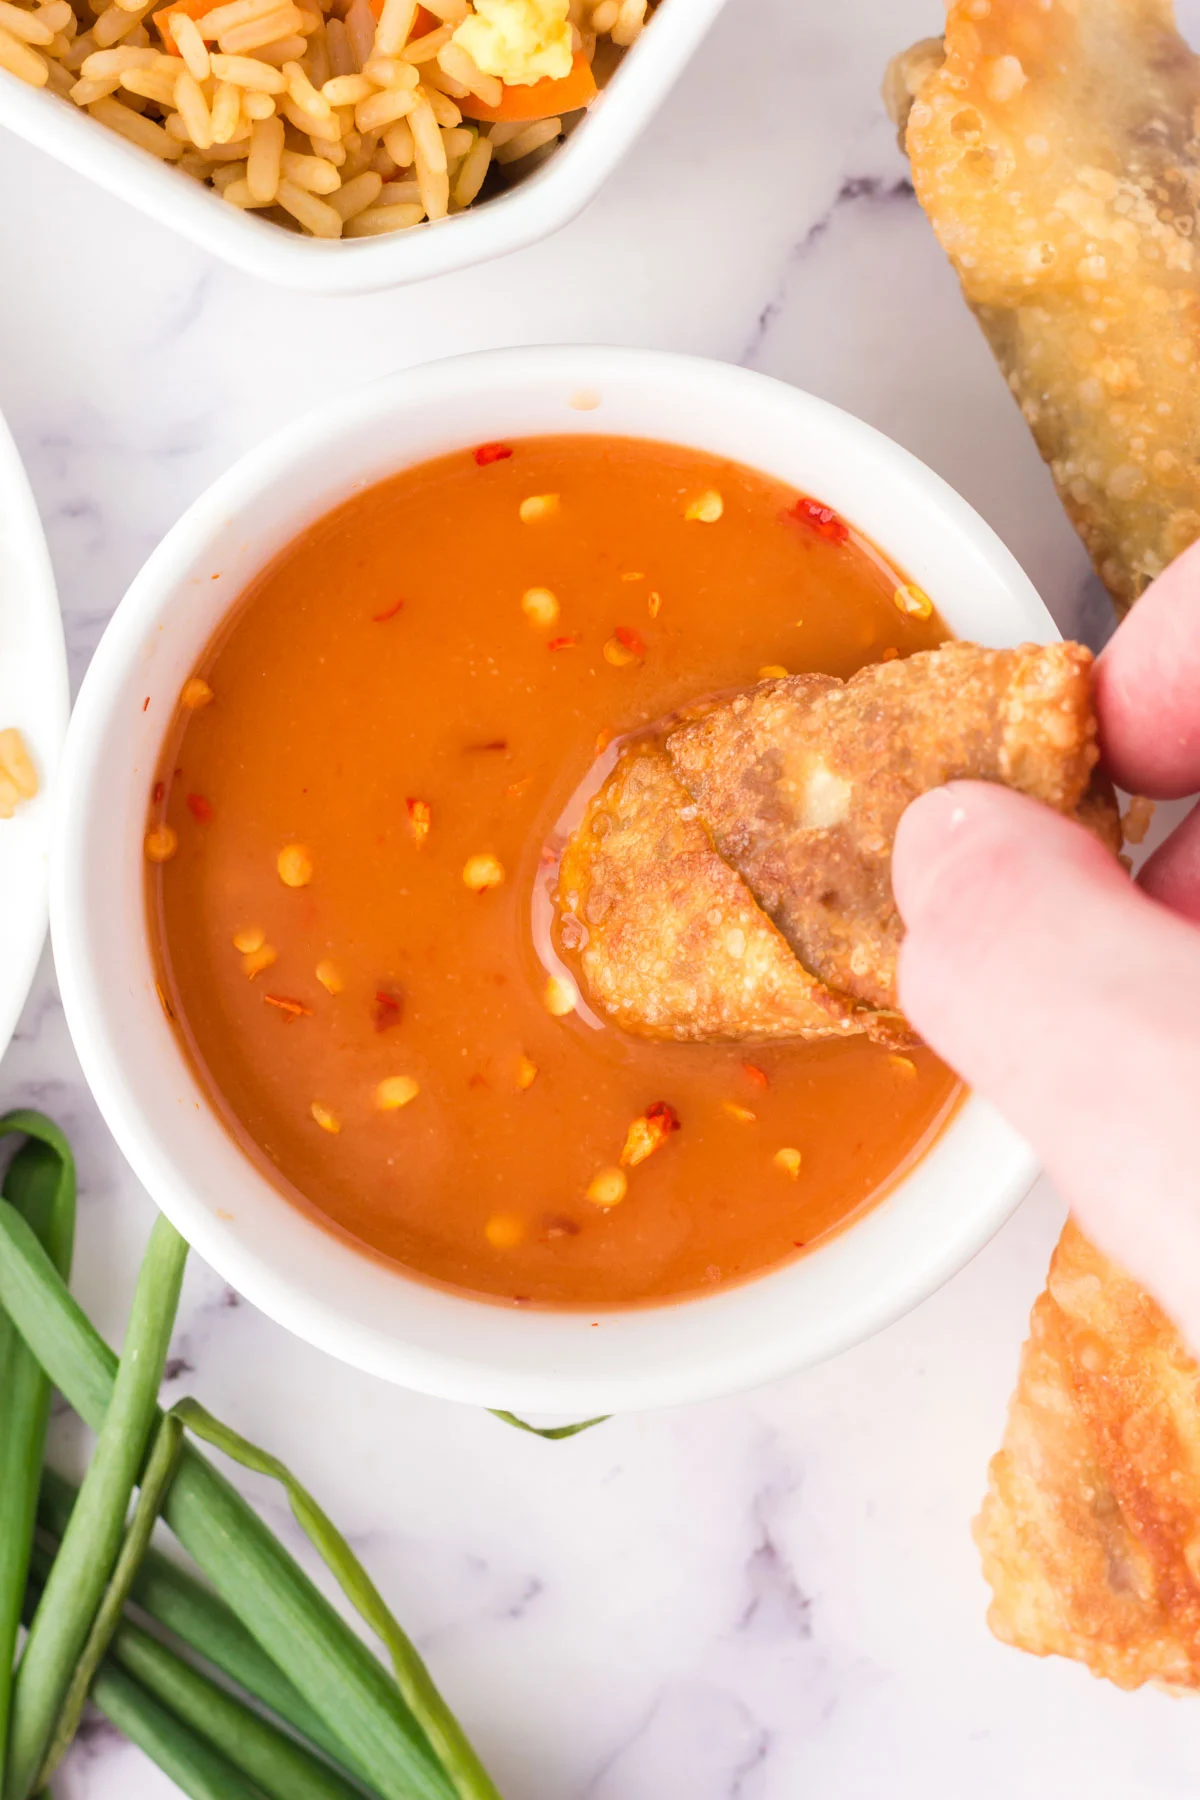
[(802, 782), (1090, 1533), (1054, 148), (674, 945)]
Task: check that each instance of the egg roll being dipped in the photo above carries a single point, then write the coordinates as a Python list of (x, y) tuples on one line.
[(1054, 147), (732, 877)]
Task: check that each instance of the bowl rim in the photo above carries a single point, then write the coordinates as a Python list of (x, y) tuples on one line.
[(34, 696), (976, 1153), (534, 208)]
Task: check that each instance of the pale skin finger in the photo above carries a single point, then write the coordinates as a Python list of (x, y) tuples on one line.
[(1072, 1001), (1148, 688), (1172, 874)]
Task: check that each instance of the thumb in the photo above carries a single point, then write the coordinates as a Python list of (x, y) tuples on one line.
[(1070, 999)]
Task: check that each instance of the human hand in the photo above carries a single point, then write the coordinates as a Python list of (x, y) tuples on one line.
[(1063, 992)]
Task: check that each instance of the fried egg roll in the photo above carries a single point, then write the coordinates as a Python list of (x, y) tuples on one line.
[(1054, 147), (732, 877), (1090, 1533)]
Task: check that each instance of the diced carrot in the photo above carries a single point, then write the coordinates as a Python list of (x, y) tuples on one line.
[(539, 100), (194, 9)]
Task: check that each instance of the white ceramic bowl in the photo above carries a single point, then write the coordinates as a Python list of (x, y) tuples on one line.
[(319, 1286), (33, 697), (536, 206)]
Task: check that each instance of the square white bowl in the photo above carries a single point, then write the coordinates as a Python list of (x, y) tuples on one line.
[(533, 208)]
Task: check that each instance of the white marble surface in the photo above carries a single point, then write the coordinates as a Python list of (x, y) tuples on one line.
[(775, 1596)]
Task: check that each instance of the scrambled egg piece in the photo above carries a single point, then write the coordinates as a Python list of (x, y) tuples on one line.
[(520, 41)]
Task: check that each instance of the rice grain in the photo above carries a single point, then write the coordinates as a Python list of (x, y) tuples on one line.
[(315, 216), (354, 196), (312, 173), (265, 161), (143, 132), (378, 220), (24, 25)]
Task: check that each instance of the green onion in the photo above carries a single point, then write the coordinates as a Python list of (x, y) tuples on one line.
[(89, 1548), (292, 1621), (160, 1467), (194, 1766), (193, 1612), (166, 1669), (302, 1632), (554, 1434), (466, 1772), (278, 1765), (192, 1763), (40, 1185)]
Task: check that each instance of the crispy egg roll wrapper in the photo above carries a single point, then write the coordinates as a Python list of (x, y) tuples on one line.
[(677, 946), (732, 878), (1090, 1533), (1054, 147)]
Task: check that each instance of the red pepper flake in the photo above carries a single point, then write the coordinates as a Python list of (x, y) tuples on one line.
[(291, 1009), (754, 1074), (492, 744), (146, 704), (160, 789), (561, 1225), (821, 519), (200, 808), (387, 1008), (492, 453), (420, 817), (563, 643), (390, 613), (630, 639), (649, 1133)]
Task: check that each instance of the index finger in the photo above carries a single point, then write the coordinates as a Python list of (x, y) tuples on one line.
[(1148, 688)]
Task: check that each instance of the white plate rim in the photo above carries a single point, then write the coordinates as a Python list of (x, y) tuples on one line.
[(34, 696)]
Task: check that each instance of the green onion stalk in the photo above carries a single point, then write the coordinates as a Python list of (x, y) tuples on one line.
[(92, 1541), (40, 1190), (398, 1734)]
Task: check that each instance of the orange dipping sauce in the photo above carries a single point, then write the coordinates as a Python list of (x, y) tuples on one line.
[(407, 698)]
